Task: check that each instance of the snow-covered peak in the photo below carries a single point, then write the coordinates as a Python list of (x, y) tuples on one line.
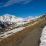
[(9, 18), (30, 17)]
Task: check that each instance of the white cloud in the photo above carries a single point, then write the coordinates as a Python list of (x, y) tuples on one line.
[(11, 2), (26, 1)]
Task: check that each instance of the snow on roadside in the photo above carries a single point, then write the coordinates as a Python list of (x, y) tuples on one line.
[(6, 34), (43, 37)]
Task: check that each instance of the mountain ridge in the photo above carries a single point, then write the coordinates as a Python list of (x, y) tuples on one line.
[(8, 19)]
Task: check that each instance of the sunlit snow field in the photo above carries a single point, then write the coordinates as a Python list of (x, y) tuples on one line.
[(6, 34)]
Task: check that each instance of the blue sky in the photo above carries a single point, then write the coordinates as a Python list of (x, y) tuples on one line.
[(23, 8)]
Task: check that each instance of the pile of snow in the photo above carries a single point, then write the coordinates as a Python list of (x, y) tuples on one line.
[(43, 37)]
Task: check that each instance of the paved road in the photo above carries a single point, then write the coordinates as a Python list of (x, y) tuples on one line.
[(32, 39)]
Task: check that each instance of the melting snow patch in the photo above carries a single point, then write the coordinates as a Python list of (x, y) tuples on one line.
[(43, 37), (6, 34)]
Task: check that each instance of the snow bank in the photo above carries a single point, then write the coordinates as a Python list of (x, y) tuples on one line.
[(43, 37), (6, 34)]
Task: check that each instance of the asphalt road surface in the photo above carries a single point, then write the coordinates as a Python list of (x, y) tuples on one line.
[(33, 37)]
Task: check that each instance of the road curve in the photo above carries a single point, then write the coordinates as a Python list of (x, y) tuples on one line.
[(33, 37)]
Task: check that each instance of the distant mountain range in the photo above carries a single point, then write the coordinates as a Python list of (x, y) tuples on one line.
[(7, 19)]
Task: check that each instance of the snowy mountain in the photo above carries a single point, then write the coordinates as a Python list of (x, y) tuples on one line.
[(7, 19)]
